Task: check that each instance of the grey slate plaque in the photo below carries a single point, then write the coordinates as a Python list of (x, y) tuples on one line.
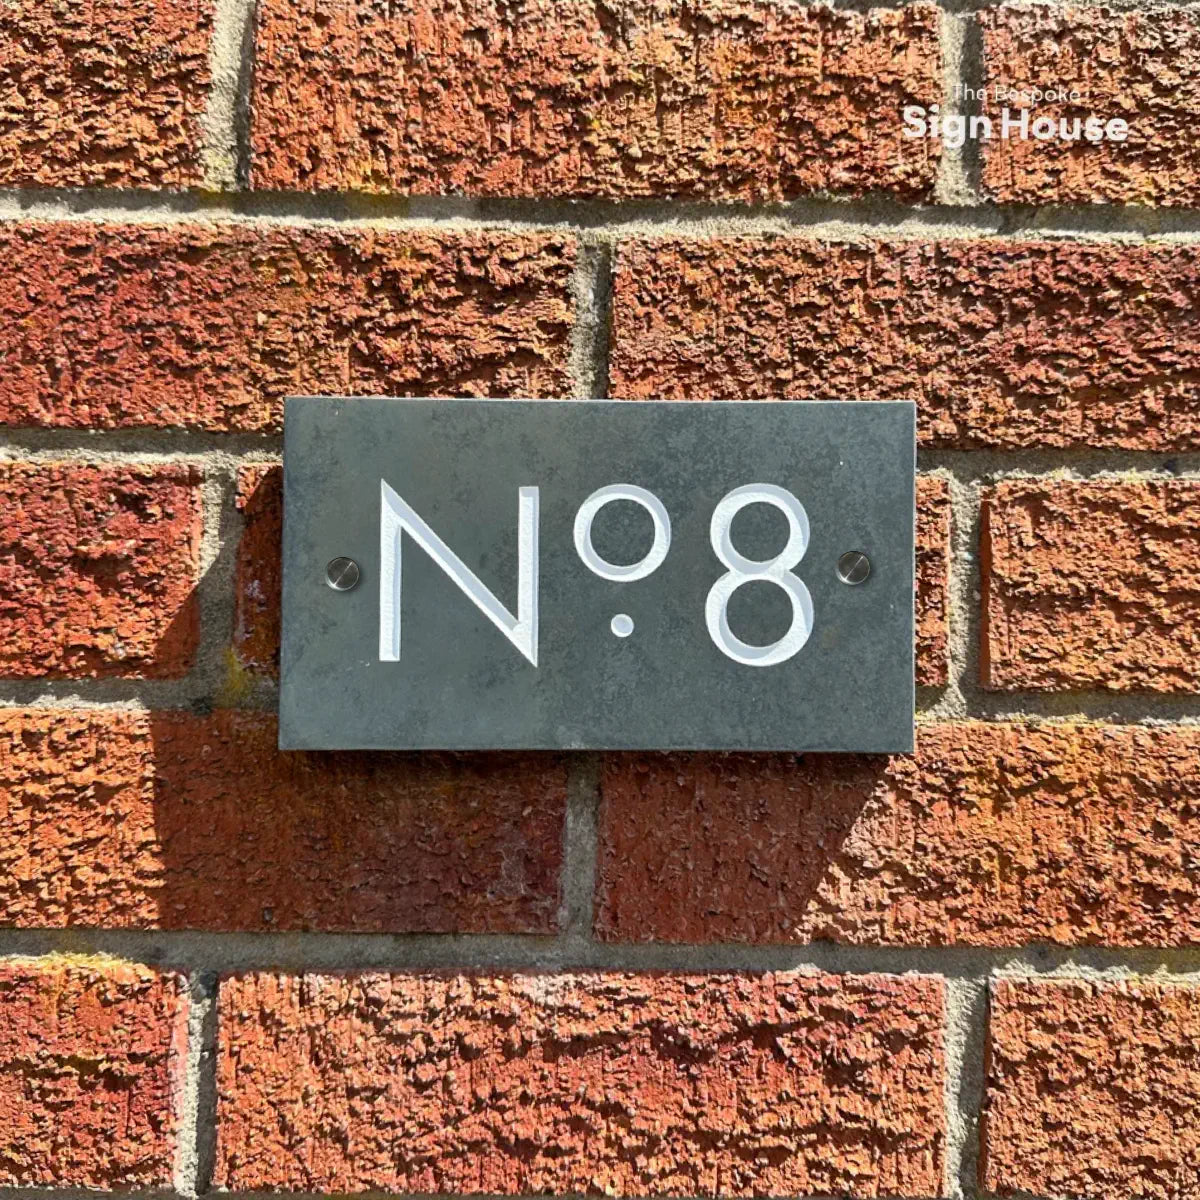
[(597, 574)]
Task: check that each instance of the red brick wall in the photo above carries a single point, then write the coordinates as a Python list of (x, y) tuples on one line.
[(967, 972)]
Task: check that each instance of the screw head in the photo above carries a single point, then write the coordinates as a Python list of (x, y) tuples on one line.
[(853, 567), (342, 574)]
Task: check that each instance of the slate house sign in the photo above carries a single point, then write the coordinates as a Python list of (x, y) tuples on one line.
[(470, 574)]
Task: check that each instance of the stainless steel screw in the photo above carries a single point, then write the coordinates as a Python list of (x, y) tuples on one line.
[(853, 567), (342, 574)]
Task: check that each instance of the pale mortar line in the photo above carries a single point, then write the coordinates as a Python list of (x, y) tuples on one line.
[(194, 1152), (965, 1034), (224, 122), (952, 704), (1146, 6), (192, 693), (333, 952), (213, 671), (967, 571), (121, 452), (973, 76), (580, 842), (39, 694), (954, 186), (1078, 463), (68, 1193), (229, 451), (1084, 707), (974, 6), (934, 707), (873, 216), (591, 289)]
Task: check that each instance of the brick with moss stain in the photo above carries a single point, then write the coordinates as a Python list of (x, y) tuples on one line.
[(994, 834), (1002, 344), (209, 327), (1139, 66), (98, 569), (107, 94), (746, 99), (1092, 1089), (119, 819), (92, 1061), (617, 1084), (1091, 585)]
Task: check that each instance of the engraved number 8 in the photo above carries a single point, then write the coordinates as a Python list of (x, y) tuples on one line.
[(742, 570)]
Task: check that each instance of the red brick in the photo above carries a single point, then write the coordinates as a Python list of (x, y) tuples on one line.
[(259, 568), (747, 99), (209, 327), (1091, 585), (995, 834), (98, 569), (1093, 1089), (933, 581), (1001, 344), (124, 819), (92, 1057), (689, 1085), (107, 94), (1143, 67)]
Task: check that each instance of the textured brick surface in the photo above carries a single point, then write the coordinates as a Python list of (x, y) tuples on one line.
[(1143, 67), (98, 566), (209, 327), (166, 820), (994, 834), (259, 583), (738, 98), (933, 581), (146, 809), (1002, 344), (615, 1084), (92, 1055), (1093, 1089), (1091, 585), (104, 94)]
